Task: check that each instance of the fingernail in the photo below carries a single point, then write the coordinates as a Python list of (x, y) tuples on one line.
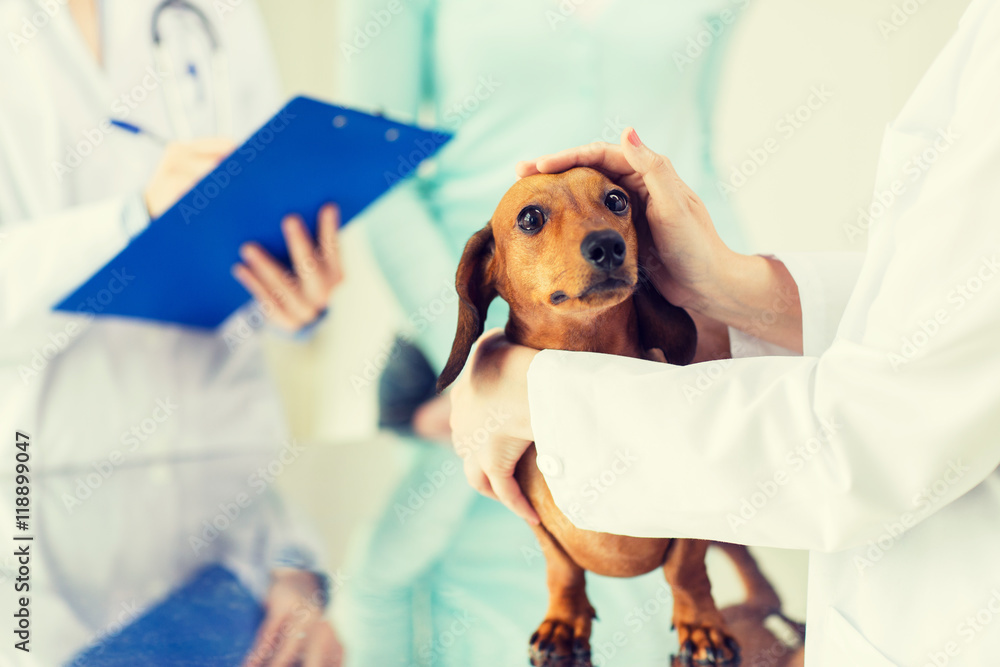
[(633, 138)]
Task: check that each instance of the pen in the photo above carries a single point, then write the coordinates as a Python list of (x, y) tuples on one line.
[(136, 130)]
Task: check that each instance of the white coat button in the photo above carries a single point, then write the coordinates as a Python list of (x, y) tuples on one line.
[(549, 465)]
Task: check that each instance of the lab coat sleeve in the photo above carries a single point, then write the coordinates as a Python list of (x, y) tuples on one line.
[(885, 426), (825, 281), (390, 73), (43, 260)]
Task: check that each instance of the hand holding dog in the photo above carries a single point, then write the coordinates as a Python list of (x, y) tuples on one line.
[(490, 420), (687, 245), (690, 265)]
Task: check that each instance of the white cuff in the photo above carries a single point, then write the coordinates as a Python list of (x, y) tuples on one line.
[(743, 345)]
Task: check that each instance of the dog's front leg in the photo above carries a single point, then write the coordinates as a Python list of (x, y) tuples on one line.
[(701, 631), (563, 638)]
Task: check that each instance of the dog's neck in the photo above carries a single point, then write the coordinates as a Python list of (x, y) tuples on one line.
[(612, 331)]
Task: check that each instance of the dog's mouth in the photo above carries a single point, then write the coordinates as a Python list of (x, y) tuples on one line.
[(606, 285)]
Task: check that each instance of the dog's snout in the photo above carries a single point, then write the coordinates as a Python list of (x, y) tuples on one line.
[(604, 249)]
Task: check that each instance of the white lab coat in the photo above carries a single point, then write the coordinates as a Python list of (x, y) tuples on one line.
[(183, 422), (877, 449)]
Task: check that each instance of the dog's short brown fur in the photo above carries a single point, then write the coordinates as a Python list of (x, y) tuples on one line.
[(574, 283)]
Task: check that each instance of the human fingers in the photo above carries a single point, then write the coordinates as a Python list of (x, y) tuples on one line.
[(178, 171), (665, 187), (329, 242), (599, 155), (323, 649), (195, 166), (477, 478), (307, 265), (292, 644), (508, 491), (526, 168), (263, 646), (283, 287), (216, 146), (274, 310)]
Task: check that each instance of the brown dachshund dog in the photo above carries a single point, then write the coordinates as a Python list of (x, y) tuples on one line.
[(563, 251)]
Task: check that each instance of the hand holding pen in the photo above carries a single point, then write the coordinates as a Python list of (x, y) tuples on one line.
[(182, 166)]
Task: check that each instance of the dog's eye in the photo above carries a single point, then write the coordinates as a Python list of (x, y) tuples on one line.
[(616, 201), (531, 219)]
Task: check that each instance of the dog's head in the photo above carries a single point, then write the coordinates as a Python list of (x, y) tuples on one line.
[(558, 245)]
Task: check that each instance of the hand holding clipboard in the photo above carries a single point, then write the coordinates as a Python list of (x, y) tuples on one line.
[(307, 155)]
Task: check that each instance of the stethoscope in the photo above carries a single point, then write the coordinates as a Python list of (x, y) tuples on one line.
[(180, 126)]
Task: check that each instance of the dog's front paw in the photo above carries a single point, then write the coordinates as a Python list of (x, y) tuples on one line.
[(705, 646), (557, 644)]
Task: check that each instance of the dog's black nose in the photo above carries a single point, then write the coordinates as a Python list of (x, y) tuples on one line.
[(604, 249)]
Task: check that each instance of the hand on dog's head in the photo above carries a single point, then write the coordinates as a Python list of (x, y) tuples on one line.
[(558, 245)]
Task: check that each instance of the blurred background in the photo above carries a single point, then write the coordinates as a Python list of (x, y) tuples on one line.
[(806, 196)]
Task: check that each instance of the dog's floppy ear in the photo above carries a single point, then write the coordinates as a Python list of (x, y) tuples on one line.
[(665, 326), (662, 325), (474, 283)]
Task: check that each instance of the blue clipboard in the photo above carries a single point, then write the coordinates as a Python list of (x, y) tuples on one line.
[(310, 153), (211, 621)]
